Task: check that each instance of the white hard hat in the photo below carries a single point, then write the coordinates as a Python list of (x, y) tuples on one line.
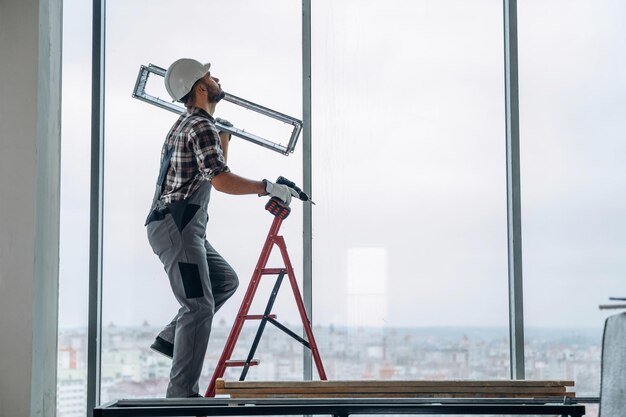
[(181, 76)]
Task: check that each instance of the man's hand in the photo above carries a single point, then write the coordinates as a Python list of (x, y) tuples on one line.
[(223, 122), (281, 191), (223, 133)]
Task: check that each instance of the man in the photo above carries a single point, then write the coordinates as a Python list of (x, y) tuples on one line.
[(193, 161)]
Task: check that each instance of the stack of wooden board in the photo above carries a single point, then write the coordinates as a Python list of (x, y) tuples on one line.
[(395, 389)]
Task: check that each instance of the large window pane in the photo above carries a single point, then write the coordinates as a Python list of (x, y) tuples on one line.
[(410, 255), (74, 221), (254, 49), (572, 86)]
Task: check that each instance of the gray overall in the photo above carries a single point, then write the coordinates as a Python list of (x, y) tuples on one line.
[(199, 277)]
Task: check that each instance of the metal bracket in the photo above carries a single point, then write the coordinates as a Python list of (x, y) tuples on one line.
[(140, 94)]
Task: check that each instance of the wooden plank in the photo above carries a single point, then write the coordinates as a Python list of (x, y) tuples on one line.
[(403, 395), (382, 390), (394, 383), (396, 389)]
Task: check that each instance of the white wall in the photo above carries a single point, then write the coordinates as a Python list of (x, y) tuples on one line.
[(30, 98)]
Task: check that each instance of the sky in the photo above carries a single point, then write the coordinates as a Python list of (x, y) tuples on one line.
[(408, 156)]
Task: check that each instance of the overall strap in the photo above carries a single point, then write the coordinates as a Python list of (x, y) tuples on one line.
[(165, 164)]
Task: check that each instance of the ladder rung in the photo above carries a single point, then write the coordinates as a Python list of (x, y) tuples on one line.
[(258, 316), (272, 271), (241, 362)]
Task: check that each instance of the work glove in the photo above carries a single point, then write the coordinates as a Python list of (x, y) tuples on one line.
[(281, 191), (224, 122)]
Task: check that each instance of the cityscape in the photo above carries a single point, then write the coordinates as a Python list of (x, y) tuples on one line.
[(131, 370)]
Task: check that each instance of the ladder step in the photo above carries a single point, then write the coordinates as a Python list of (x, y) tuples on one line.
[(258, 316), (241, 362), (272, 271)]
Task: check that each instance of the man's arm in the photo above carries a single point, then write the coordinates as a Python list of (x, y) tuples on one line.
[(230, 183), (224, 141), (224, 136)]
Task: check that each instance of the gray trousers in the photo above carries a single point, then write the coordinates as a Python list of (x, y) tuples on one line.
[(201, 281)]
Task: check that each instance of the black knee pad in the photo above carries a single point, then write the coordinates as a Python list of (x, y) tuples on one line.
[(192, 282)]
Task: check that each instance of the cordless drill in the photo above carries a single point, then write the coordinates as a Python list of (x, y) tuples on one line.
[(277, 207)]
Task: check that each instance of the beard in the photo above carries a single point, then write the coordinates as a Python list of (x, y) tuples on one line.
[(217, 97)]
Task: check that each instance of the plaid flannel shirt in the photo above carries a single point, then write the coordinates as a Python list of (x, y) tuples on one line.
[(197, 155)]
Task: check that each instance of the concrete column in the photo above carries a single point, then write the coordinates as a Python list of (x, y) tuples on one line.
[(30, 139)]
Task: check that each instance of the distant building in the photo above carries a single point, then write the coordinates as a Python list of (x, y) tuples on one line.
[(71, 392), (130, 369)]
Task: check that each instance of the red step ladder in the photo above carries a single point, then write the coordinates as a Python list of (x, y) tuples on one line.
[(260, 270)]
